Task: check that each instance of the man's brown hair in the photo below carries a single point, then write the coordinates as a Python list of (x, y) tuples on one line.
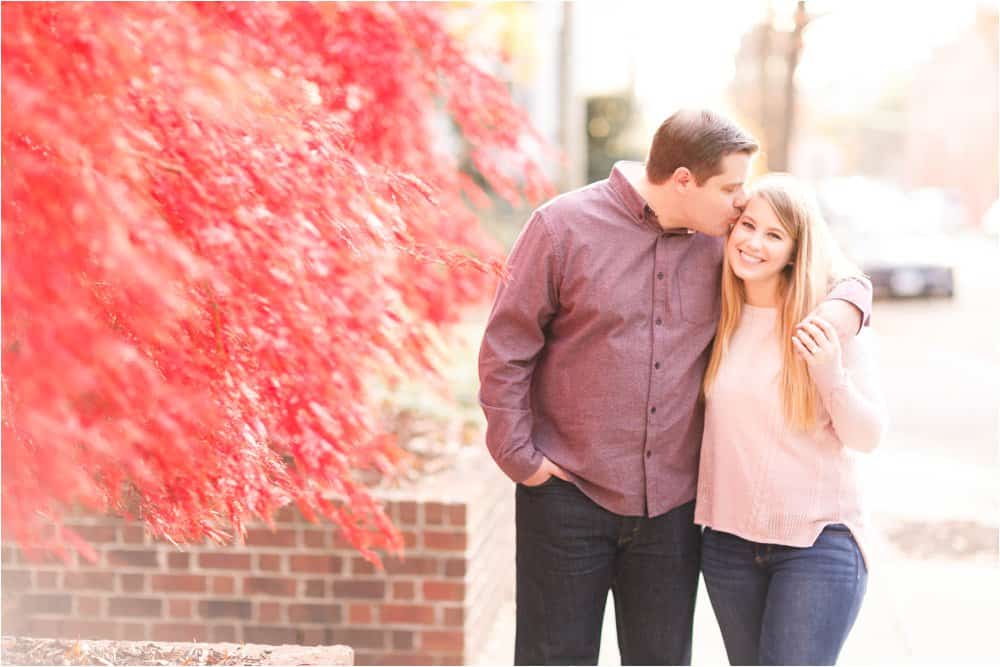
[(697, 140)]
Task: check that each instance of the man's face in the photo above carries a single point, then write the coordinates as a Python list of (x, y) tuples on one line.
[(716, 204)]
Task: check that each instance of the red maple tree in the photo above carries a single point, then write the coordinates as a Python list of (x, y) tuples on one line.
[(219, 221)]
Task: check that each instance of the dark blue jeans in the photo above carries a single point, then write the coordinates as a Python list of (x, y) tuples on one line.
[(779, 605), (571, 552)]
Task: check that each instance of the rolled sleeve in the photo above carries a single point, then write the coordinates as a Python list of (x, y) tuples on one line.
[(856, 291)]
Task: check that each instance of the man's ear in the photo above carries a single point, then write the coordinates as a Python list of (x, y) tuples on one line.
[(683, 178)]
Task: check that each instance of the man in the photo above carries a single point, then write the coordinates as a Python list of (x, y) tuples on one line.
[(591, 367)]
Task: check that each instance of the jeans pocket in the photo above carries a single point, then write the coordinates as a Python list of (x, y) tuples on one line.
[(551, 481)]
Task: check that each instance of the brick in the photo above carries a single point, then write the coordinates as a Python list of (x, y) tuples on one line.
[(358, 638), (404, 590), (442, 641), (178, 561), (269, 586), (97, 534), (453, 659), (264, 537), (454, 567), (132, 632), (223, 633), (187, 583), (315, 588), (270, 634), (360, 566), (78, 628), (223, 585), (407, 613), (179, 632), (362, 658), (180, 608), (100, 581), (444, 541), (37, 627), (317, 564), (412, 565), (133, 558), (340, 543), (15, 581), (9, 554), (373, 590), (402, 640), (45, 603), (314, 613), (88, 606), (433, 514), (46, 579), (133, 607), (287, 514), (456, 514), (444, 590), (132, 583), (133, 535), (269, 562), (315, 539), (269, 612), (312, 636), (403, 659), (224, 561), (410, 539), (407, 513), (224, 609), (454, 616), (360, 614)]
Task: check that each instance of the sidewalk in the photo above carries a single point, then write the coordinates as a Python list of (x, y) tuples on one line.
[(916, 610)]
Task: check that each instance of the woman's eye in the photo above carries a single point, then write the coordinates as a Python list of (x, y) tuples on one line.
[(774, 236), (748, 225)]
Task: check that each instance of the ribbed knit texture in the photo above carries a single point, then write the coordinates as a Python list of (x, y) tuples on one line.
[(761, 479)]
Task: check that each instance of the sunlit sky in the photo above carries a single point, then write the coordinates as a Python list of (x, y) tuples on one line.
[(681, 53)]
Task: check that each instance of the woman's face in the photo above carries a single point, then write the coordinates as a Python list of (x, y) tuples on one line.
[(758, 248)]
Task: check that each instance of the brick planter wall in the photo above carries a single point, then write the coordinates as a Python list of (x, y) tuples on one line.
[(301, 584)]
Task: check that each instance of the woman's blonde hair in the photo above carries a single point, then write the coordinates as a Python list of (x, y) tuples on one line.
[(816, 265)]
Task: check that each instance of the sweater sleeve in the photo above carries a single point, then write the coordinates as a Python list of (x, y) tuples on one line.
[(857, 291), (853, 397), (514, 337)]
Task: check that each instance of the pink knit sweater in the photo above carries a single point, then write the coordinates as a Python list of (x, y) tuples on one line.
[(761, 479)]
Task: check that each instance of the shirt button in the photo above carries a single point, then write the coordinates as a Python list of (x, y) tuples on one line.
[(659, 321), (657, 365), (659, 276), (648, 453), (652, 410)]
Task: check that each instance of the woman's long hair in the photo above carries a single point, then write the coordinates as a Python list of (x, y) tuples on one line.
[(816, 265)]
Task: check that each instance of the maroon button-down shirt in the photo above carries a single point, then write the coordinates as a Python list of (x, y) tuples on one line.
[(595, 349)]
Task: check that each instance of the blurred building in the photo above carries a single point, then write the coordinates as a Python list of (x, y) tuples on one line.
[(951, 136)]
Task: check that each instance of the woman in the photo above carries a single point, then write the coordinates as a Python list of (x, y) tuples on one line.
[(787, 409)]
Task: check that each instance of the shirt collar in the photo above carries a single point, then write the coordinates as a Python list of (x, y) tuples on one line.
[(637, 208)]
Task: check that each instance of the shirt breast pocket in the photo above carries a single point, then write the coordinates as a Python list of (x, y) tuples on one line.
[(699, 283)]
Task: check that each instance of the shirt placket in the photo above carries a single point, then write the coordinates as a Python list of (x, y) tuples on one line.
[(658, 318)]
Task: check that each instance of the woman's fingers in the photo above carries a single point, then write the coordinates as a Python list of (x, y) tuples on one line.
[(801, 349), (807, 338), (817, 334), (827, 328)]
